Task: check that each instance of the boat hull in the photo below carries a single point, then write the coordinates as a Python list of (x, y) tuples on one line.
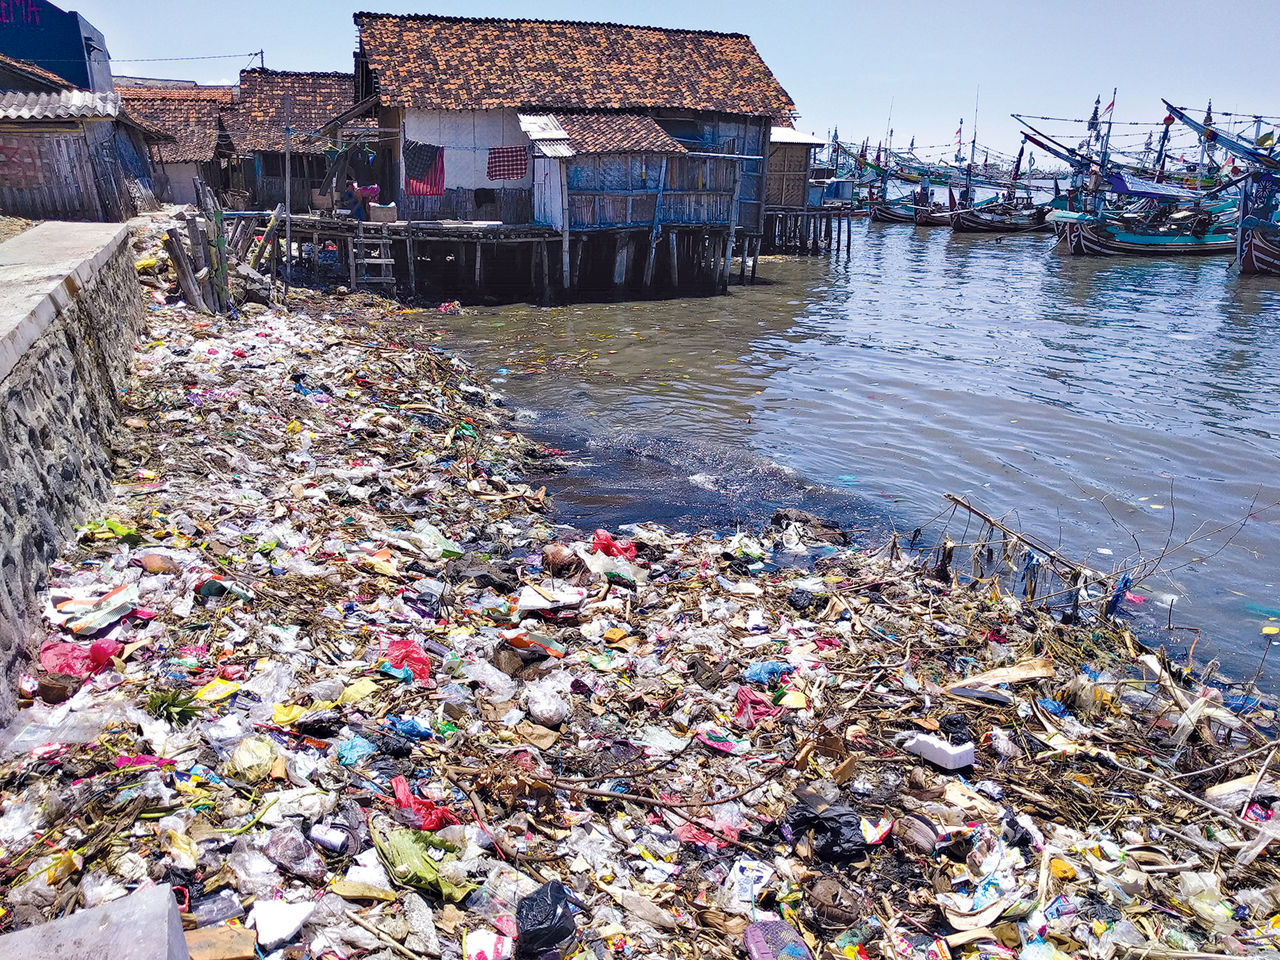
[(1091, 239), (888, 213), (972, 221), (1259, 254), (933, 218)]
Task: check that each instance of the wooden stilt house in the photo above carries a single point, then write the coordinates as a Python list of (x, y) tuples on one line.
[(644, 148)]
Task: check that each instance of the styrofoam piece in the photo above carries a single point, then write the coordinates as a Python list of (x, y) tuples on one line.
[(949, 756)]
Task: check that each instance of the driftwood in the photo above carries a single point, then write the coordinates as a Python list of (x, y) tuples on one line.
[(182, 266)]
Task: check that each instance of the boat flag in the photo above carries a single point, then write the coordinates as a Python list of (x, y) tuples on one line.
[(1110, 106), (1093, 119), (1268, 139), (951, 198), (1017, 161)]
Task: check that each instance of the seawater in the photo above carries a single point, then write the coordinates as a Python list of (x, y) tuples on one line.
[(1118, 409)]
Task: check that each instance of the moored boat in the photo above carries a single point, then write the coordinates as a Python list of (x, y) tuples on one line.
[(892, 212), (1001, 218), (1188, 233)]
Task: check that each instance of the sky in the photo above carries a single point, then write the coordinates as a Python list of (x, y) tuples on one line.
[(846, 65)]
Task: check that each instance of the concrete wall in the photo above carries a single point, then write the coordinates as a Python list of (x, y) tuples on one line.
[(70, 312)]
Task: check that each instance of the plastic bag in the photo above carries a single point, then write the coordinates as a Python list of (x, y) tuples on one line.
[(251, 760), (407, 653), (545, 921), (603, 542), (289, 850), (427, 815), (73, 660), (546, 700)]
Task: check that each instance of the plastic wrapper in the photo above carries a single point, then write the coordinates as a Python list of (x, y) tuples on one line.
[(252, 759), (293, 853), (545, 923)]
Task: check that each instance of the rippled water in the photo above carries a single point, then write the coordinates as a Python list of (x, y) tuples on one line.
[(1098, 402)]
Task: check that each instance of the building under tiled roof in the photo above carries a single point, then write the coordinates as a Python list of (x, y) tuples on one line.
[(191, 115), (24, 75), (458, 63), (569, 134), (256, 122), (63, 105)]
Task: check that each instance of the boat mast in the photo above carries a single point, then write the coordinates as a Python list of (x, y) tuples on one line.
[(973, 149)]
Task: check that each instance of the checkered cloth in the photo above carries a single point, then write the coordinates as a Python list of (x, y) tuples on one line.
[(508, 163)]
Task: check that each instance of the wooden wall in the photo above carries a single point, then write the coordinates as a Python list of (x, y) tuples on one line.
[(621, 189), (787, 180), (46, 173)]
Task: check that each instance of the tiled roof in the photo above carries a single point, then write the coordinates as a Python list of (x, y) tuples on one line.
[(38, 74), (256, 122), (457, 63), (63, 105), (191, 115), (616, 133)]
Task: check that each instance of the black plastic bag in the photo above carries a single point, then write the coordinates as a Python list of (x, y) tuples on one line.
[(835, 830), (544, 921)]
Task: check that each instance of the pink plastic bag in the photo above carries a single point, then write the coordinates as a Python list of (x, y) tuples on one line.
[(428, 815), (604, 543), (73, 660), (407, 653)]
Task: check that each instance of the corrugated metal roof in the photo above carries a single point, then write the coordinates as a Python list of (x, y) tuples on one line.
[(64, 105), (549, 138), (791, 135)]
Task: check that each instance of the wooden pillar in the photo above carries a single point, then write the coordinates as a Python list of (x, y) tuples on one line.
[(546, 271), (673, 248), (577, 261), (755, 259), (351, 259), (656, 228), (565, 276), (621, 254), (409, 255), (742, 267), (479, 275)]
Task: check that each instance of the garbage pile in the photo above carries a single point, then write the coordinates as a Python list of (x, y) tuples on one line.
[(327, 665)]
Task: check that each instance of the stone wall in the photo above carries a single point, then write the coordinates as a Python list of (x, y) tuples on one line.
[(65, 349)]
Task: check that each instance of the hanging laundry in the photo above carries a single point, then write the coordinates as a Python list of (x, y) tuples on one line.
[(508, 163), (423, 169)]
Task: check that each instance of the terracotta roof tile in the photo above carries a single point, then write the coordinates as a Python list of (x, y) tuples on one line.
[(616, 133), (256, 122), (457, 63), (39, 74), (191, 115)]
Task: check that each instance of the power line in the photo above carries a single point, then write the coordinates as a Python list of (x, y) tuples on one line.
[(221, 56)]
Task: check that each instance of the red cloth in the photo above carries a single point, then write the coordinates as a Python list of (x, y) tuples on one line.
[(508, 163), (73, 660), (428, 815), (753, 708)]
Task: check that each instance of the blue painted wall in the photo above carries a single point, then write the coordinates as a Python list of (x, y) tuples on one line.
[(57, 40)]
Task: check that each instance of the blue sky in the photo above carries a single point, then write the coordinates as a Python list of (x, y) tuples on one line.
[(843, 63)]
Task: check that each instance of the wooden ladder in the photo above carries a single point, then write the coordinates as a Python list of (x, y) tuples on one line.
[(371, 259)]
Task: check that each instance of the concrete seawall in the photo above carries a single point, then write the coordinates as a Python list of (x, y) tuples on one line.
[(70, 311)]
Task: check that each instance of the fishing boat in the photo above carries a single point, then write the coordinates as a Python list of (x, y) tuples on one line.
[(1003, 217), (893, 211), (1190, 232), (1258, 250)]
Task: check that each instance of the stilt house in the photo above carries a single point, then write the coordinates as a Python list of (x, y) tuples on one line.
[(201, 147), (637, 145), (256, 125)]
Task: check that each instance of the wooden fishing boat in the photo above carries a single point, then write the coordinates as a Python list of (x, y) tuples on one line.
[(1094, 235), (892, 212), (935, 215), (1259, 253), (1001, 218)]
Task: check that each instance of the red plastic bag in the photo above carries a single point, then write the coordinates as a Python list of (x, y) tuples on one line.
[(604, 543), (428, 815), (407, 653), (73, 660)]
